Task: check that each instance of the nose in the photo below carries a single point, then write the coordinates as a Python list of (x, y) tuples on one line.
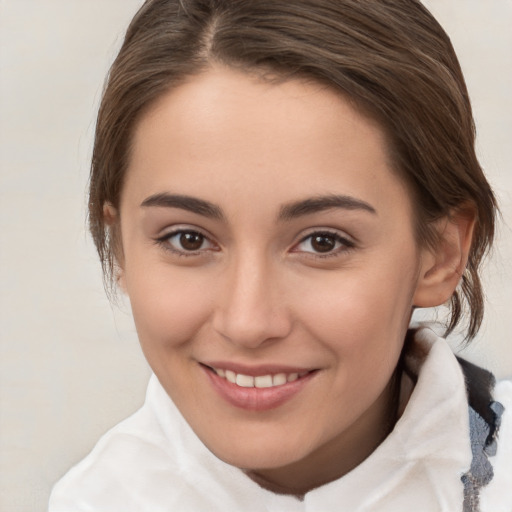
[(252, 310)]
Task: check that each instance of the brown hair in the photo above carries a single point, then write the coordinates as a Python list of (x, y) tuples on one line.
[(391, 57)]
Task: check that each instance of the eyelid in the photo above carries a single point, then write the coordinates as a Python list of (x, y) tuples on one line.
[(180, 228), (346, 241), (163, 239)]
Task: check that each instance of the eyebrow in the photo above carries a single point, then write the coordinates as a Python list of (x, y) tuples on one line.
[(287, 212), (321, 203), (191, 204)]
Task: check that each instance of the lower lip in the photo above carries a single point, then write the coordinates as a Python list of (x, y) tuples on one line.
[(257, 399)]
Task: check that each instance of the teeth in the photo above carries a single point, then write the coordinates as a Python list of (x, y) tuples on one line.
[(279, 379), (261, 381), (244, 381)]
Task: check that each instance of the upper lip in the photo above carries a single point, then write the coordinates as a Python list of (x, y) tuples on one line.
[(256, 370)]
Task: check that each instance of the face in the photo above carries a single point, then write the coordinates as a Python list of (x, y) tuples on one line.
[(270, 261)]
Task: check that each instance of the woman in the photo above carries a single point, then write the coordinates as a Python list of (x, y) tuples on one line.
[(277, 186)]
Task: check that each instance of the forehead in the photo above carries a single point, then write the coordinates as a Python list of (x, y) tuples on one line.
[(225, 132)]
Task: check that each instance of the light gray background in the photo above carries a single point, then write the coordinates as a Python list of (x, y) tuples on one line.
[(70, 365)]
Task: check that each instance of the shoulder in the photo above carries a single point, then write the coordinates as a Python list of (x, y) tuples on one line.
[(110, 477), (153, 461), (487, 482), (497, 496), (491, 438)]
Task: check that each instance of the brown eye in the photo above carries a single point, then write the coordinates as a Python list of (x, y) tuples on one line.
[(323, 243), (186, 243), (191, 241)]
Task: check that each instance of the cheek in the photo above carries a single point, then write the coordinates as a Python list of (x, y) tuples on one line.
[(168, 307), (362, 314)]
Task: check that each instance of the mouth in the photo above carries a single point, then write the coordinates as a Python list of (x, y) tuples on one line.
[(257, 389), (268, 380)]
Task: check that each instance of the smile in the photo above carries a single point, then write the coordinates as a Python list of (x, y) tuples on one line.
[(260, 381), (267, 388)]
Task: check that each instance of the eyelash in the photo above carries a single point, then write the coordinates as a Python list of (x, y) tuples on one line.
[(345, 244), (165, 242)]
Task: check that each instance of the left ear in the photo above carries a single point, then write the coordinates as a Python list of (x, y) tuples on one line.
[(443, 265)]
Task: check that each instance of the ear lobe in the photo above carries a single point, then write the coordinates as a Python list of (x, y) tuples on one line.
[(110, 215), (120, 279), (442, 266)]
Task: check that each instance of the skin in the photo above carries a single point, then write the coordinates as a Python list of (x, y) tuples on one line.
[(257, 290)]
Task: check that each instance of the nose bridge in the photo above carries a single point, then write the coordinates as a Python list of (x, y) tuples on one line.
[(251, 311)]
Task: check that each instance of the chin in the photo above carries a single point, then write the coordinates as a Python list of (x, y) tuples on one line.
[(257, 455)]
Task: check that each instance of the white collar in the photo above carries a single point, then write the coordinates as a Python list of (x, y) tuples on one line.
[(417, 467)]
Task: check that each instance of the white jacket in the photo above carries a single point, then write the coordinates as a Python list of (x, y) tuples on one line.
[(153, 461)]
